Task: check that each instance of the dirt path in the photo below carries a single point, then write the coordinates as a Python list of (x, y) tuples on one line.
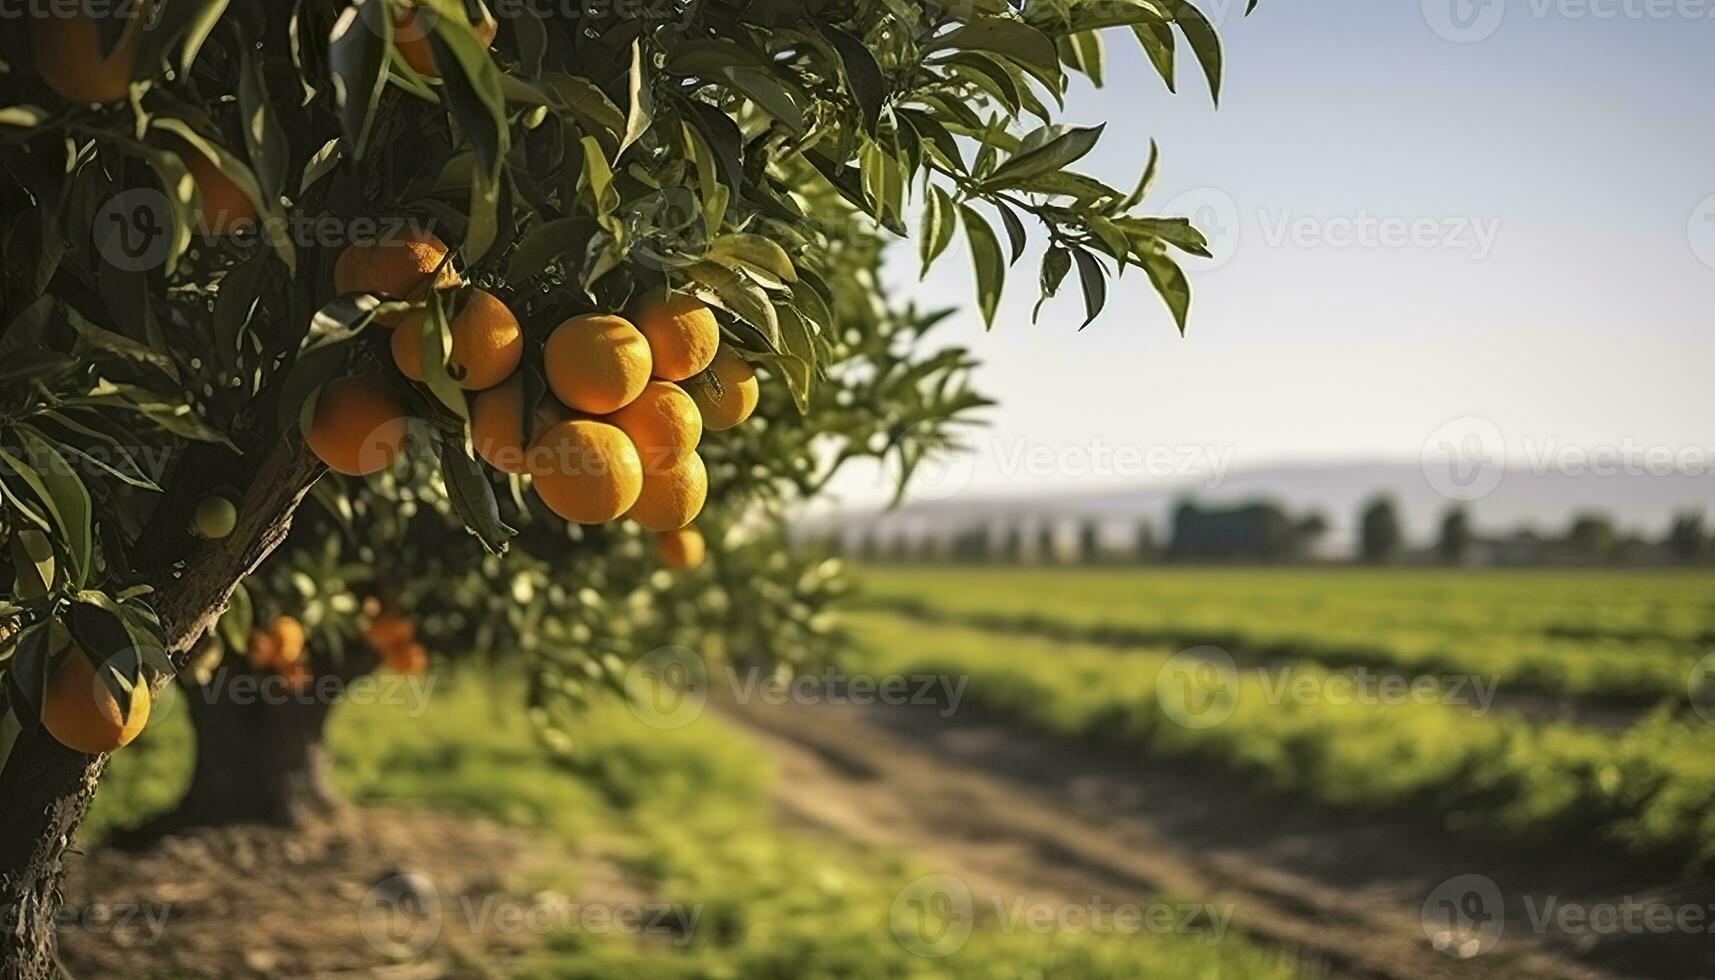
[(1013, 817)]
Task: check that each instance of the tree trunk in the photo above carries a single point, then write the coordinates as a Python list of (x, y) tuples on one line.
[(260, 757), (45, 788)]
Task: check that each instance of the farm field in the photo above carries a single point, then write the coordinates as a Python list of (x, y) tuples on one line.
[(1615, 636), (1291, 725), (685, 818)]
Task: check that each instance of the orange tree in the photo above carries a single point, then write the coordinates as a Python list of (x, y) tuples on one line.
[(247, 242)]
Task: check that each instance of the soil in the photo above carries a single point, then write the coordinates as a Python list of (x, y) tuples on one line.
[(383, 892), (1015, 816)]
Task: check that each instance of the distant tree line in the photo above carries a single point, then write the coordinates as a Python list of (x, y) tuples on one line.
[(1264, 533)]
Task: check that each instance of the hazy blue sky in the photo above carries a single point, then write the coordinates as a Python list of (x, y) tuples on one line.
[(1561, 170)]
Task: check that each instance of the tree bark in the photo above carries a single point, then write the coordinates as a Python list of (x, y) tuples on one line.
[(46, 788)]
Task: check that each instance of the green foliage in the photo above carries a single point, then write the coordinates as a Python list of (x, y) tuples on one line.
[(1486, 774), (1630, 637)]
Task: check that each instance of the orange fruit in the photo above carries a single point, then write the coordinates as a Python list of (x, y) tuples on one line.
[(682, 549), (358, 427), (663, 424), (264, 650), (388, 632), (726, 393), (412, 658), (682, 333), (586, 471), (487, 344), (672, 498), (411, 37), (224, 209), (398, 265), (66, 48), (497, 424), (288, 635), (81, 711), (596, 364)]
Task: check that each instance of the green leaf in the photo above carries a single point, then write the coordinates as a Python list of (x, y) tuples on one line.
[(739, 296), (753, 252), (435, 346), (1171, 284), (1094, 280), (1026, 46), (1016, 237), (264, 139), (1057, 152), (769, 93), (1157, 41), (1205, 43), (1055, 265), (68, 498), (472, 497), (548, 244), (357, 57), (940, 221), (1087, 55), (989, 262), (863, 75), (637, 120)]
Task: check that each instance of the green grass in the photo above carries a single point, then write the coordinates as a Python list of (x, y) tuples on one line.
[(1647, 790), (688, 810), (1625, 635)]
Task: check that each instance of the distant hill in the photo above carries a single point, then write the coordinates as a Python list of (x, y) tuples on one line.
[(1545, 502)]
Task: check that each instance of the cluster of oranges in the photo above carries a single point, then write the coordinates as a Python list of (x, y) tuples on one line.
[(394, 640), (279, 648), (632, 397)]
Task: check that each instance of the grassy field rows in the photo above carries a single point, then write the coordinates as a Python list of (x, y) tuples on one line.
[(1646, 791), (689, 812), (1620, 637)]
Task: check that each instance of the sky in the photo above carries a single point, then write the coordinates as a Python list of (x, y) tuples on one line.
[(1435, 221)]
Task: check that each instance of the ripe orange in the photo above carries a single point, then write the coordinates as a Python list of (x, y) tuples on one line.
[(682, 549), (66, 47), (389, 631), (411, 37), (682, 333), (586, 471), (411, 658), (396, 264), (264, 651), (81, 711), (663, 424), (672, 499), (288, 635), (487, 344), (726, 393), (225, 209), (359, 426), (596, 364)]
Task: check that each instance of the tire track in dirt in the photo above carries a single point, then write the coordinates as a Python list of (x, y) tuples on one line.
[(1017, 816)]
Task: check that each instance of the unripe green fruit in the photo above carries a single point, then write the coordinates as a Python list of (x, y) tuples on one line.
[(216, 517)]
